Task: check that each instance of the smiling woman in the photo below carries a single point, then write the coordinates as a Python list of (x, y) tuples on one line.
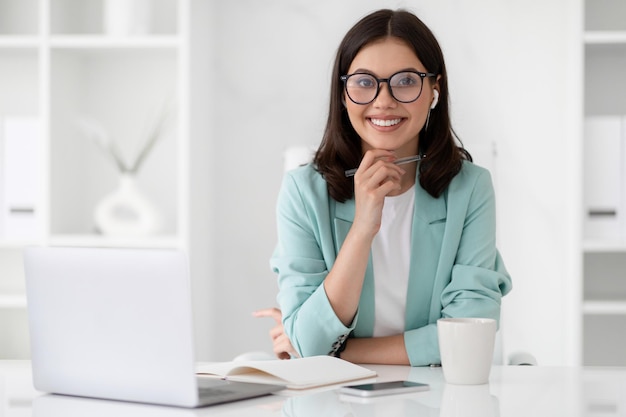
[(389, 118), (368, 263)]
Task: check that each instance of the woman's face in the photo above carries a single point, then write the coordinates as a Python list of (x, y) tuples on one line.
[(386, 123)]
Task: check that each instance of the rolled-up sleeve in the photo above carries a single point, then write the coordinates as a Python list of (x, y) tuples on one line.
[(302, 259)]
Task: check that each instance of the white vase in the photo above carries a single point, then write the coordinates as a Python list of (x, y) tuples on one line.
[(126, 212)]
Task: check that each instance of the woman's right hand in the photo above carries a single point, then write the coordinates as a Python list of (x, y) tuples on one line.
[(281, 344), (376, 177)]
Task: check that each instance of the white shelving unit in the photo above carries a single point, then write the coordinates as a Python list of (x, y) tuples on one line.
[(59, 65), (604, 259)]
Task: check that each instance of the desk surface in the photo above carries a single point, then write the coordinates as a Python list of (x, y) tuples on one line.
[(511, 392)]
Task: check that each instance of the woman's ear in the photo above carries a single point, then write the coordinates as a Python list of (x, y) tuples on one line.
[(435, 99), (436, 92)]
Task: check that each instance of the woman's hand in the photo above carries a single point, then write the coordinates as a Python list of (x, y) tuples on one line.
[(282, 345), (376, 178)]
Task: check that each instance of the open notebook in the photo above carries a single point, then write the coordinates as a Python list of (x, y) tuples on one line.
[(301, 373)]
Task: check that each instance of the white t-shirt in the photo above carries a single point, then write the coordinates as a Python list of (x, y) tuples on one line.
[(391, 258)]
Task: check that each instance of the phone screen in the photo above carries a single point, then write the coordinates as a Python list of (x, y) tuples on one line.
[(383, 388)]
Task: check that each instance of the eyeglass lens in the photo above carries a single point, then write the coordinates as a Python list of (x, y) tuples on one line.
[(364, 88)]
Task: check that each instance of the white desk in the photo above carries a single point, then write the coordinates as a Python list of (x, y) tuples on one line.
[(511, 392)]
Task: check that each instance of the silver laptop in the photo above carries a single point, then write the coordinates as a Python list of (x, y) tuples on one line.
[(117, 324)]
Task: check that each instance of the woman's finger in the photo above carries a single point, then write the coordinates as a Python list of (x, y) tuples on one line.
[(276, 331), (283, 348), (273, 312)]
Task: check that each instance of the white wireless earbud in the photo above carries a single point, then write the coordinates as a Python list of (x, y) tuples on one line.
[(435, 99)]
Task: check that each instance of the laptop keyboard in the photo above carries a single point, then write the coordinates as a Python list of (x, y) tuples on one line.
[(207, 396), (215, 391), (216, 394)]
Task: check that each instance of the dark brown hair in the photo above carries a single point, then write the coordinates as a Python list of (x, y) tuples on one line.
[(340, 148)]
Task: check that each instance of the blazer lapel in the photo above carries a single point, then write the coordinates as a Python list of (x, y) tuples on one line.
[(429, 221), (344, 216)]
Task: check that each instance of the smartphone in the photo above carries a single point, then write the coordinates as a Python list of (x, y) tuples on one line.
[(383, 388)]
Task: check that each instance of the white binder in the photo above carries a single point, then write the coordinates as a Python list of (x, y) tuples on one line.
[(604, 183), (20, 166)]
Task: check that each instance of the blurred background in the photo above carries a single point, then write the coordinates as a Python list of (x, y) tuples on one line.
[(165, 123)]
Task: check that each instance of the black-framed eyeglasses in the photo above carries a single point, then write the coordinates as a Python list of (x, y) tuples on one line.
[(404, 86)]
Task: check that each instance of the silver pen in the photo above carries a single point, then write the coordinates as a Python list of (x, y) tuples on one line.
[(405, 160)]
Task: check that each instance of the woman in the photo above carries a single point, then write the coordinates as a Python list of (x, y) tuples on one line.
[(367, 263)]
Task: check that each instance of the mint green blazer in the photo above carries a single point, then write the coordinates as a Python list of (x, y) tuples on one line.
[(455, 268)]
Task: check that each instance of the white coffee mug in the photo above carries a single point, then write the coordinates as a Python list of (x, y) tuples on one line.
[(466, 347)]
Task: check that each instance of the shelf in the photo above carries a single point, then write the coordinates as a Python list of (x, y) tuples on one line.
[(111, 42), (604, 294), (604, 37), (604, 307), (92, 42), (16, 41), (12, 244), (106, 241), (12, 301), (597, 246), (83, 240), (87, 75)]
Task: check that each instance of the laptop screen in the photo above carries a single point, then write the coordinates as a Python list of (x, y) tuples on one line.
[(111, 323)]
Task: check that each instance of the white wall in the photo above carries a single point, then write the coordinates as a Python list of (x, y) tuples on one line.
[(509, 69)]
